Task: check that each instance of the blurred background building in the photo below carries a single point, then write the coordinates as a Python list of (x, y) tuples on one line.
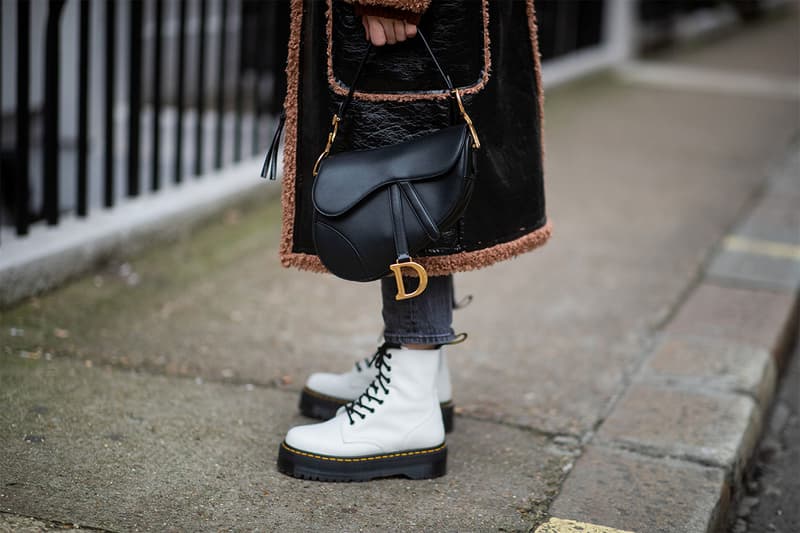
[(109, 103)]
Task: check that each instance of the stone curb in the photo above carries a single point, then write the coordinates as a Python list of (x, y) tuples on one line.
[(671, 454)]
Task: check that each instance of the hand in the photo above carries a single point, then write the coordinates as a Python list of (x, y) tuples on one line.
[(382, 30)]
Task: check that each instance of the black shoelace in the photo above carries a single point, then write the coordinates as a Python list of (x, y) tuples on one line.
[(367, 363), (379, 383)]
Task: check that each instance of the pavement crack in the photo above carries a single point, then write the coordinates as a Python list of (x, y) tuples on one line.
[(60, 524), (529, 429)]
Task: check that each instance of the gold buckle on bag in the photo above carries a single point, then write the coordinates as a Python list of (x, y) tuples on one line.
[(475, 142), (397, 268), (331, 136)]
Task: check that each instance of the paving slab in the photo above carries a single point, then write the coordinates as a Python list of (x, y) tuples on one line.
[(758, 318), (711, 428), (123, 450), (711, 364), (763, 250), (757, 264), (614, 488)]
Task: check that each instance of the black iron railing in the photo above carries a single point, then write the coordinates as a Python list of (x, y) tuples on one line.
[(568, 26), (164, 69), (664, 11)]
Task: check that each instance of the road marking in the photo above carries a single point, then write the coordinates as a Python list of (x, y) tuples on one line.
[(710, 80), (778, 250), (560, 525)]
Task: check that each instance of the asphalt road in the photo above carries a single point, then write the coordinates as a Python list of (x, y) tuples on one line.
[(773, 486)]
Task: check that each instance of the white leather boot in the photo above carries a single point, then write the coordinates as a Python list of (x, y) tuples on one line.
[(393, 428), (325, 392)]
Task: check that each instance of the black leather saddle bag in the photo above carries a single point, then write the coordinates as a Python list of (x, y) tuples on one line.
[(376, 208)]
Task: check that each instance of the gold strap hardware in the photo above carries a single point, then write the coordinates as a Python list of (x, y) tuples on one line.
[(461, 337), (397, 268), (331, 136), (335, 128), (475, 142)]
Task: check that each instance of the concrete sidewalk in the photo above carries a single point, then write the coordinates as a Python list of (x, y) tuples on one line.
[(616, 377)]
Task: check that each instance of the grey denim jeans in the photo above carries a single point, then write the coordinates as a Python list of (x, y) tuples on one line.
[(426, 319)]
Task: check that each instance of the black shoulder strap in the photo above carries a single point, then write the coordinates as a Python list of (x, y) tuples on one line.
[(346, 102)]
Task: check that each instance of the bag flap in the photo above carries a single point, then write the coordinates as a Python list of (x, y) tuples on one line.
[(344, 179)]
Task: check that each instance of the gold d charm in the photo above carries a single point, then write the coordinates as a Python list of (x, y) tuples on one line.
[(397, 268)]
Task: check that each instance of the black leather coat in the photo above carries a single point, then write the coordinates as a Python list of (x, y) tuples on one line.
[(489, 50)]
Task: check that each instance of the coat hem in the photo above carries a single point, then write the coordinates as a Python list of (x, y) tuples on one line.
[(445, 264)]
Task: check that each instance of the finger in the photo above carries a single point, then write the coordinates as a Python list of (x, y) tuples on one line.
[(399, 30), (366, 26), (411, 30), (376, 34), (388, 28)]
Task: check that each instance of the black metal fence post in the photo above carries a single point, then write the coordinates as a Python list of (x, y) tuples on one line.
[(52, 81), (218, 144), (22, 168), (155, 181), (239, 93), (258, 72), (108, 115), (280, 42), (179, 89), (201, 90), (3, 179), (83, 109), (134, 96)]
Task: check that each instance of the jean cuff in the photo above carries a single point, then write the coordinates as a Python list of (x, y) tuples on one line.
[(416, 338)]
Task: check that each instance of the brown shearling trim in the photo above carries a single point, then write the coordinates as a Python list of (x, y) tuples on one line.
[(342, 90), (387, 12), (290, 143), (465, 261), (448, 264), (415, 6)]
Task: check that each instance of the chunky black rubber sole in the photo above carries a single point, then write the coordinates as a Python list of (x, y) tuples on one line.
[(413, 464), (316, 405)]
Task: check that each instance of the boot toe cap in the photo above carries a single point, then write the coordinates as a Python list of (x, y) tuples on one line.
[(326, 438), (322, 382)]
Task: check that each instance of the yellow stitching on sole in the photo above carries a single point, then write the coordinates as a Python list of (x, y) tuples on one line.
[(362, 459)]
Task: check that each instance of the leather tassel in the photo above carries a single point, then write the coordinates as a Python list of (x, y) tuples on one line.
[(271, 161)]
